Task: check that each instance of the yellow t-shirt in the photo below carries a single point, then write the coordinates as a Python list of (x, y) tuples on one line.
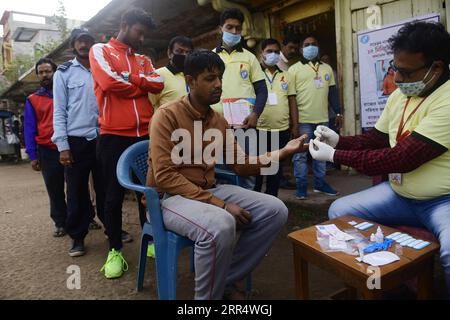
[(174, 88), (242, 69), (276, 117), (312, 94), (431, 120)]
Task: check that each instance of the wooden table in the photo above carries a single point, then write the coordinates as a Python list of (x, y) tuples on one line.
[(355, 274)]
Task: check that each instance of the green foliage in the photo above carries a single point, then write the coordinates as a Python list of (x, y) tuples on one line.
[(41, 50), (61, 20), (19, 65), (4, 84)]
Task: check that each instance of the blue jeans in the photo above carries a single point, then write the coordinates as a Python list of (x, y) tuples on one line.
[(273, 181), (301, 160), (381, 204)]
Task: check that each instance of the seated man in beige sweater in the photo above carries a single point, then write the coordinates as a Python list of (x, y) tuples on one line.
[(192, 204)]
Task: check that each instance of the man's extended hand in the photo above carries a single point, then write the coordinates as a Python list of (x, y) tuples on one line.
[(251, 121), (65, 158), (294, 146), (243, 217), (36, 165)]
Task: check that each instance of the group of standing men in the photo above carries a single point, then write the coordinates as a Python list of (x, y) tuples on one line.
[(86, 113)]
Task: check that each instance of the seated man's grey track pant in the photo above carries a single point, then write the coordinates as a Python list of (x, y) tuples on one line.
[(219, 261)]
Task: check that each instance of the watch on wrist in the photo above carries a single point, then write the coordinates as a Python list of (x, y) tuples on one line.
[(126, 76)]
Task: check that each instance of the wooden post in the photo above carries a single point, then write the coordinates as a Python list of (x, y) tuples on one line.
[(344, 44), (425, 280)]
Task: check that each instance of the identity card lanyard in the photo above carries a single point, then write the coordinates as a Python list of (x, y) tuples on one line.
[(317, 80), (272, 98), (271, 81), (403, 123), (315, 68)]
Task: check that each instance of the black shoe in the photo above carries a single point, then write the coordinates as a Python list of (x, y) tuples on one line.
[(126, 237), (59, 232), (77, 249)]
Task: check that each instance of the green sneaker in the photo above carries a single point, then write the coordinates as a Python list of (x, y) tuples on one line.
[(115, 265), (151, 251)]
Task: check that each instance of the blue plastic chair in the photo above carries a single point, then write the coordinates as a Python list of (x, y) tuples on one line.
[(168, 245)]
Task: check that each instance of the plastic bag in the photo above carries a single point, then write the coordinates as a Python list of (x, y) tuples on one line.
[(348, 247), (11, 138)]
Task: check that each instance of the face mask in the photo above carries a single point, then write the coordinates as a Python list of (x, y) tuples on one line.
[(414, 89), (310, 52), (178, 61), (271, 59), (231, 39)]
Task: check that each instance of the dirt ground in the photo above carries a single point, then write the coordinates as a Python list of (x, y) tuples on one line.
[(33, 264)]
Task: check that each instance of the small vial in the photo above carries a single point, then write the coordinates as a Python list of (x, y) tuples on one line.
[(398, 249), (379, 236)]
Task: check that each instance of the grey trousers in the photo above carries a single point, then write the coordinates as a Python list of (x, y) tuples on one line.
[(219, 259)]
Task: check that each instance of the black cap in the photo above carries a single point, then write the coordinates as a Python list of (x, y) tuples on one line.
[(77, 33)]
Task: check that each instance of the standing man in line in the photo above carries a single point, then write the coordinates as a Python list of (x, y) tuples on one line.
[(334, 122), (316, 89), (174, 87), (243, 80), (243, 77), (174, 83), (75, 119), (44, 156), (280, 117), (289, 52), (122, 82), (289, 56)]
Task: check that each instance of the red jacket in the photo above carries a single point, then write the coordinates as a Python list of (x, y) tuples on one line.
[(42, 105), (125, 109)]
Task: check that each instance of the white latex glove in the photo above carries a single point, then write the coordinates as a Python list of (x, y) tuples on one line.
[(321, 151), (327, 135)]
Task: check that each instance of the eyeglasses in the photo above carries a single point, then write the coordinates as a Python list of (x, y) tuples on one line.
[(409, 73)]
